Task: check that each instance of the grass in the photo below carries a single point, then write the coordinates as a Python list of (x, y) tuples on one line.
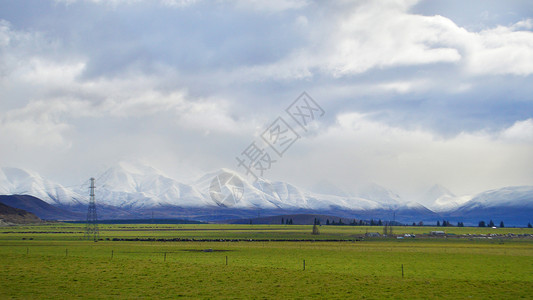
[(222, 231), (58, 264)]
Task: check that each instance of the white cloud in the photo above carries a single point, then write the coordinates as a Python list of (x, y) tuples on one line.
[(500, 51), (384, 34), (115, 3), (520, 131), (271, 5), (36, 125), (47, 92), (52, 75), (524, 24)]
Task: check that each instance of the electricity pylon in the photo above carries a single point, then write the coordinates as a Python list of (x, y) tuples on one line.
[(91, 229)]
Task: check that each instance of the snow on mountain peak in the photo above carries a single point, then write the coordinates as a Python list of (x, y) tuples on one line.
[(379, 194), (440, 198), (138, 185), (513, 196), (20, 181), (437, 191)]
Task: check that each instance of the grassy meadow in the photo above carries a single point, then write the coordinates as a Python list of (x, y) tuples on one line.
[(54, 261)]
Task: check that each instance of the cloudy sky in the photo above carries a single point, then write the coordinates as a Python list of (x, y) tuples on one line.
[(414, 92)]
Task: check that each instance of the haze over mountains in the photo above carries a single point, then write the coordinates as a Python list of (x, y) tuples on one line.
[(133, 190)]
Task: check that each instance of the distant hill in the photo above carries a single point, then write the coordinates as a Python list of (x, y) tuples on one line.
[(513, 205), (38, 207), (12, 215)]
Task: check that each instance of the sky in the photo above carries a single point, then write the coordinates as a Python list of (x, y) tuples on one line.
[(413, 93)]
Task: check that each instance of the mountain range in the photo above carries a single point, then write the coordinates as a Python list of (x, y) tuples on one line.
[(134, 190)]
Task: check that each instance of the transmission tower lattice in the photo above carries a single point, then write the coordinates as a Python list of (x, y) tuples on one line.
[(91, 230)]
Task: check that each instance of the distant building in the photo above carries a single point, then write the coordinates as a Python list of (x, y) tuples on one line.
[(372, 234), (437, 233)]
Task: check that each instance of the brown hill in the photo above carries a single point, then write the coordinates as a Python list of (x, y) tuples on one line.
[(11, 215), (39, 207)]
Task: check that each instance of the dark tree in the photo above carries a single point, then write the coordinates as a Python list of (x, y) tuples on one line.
[(414, 224), (327, 221), (315, 230), (290, 222), (481, 224), (529, 225), (501, 224), (380, 223), (361, 222), (282, 220), (491, 224), (438, 223)]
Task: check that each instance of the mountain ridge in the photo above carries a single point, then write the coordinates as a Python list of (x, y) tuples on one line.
[(129, 190)]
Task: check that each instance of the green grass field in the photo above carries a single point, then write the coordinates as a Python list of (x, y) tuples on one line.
[(53, 261)]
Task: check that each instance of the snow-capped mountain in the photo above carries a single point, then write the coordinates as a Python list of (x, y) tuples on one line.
[(135, 185), (514, 196), (379, 194), (267, 194), (134, 189), (19, 181), (442, 199), (289, 196), (508, 203)]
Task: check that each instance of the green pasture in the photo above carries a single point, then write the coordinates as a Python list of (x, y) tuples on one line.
[(52, 261), (223, 231)]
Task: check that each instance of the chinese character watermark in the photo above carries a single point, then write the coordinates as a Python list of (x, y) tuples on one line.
[(226, 189), (304, 110), (279, 136), (258, 157)]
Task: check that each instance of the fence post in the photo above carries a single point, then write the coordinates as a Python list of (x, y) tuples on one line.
[(402, 270), (304, 264)]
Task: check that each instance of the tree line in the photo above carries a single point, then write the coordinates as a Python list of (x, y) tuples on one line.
[(372, 222)]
